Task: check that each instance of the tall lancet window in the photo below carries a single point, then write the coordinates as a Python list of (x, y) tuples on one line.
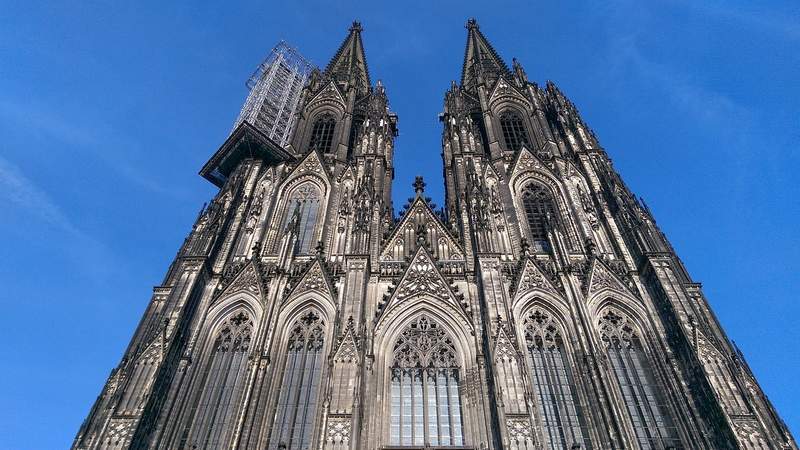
[(539, 214), (642, 394), (556, 398), (425, 380), (514, 132), (322, 133), (223, 375), (302, 212), (300, 382)]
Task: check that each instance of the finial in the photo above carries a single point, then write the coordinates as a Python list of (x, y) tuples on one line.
[(472, 23), (256, 248), (526, 247), (356, 27), (320, 249), (591, 247), (419, 185)]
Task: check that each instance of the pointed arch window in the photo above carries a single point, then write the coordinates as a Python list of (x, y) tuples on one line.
[(355, 134), (302, 212), (540, 213), (300, 384), (642, 394), (425, 381), (222, 379), (322, 133), (553, 383), (514, 132)]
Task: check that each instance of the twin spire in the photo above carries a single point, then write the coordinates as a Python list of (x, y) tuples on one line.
[(350, 63), (481, 62)]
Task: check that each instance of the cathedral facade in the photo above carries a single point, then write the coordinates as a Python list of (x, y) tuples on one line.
[(540, 308)]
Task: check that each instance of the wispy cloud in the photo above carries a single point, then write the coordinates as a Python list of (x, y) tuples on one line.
[(626, 24), (97, 140), (19, 190), (21, 196)]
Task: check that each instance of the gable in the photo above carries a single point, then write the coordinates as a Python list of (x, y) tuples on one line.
[(504, 346), (526, 161), (602, 278), (419, 214), (346, 349), (314, 279), (329, 95), (247, 279), (532, 278), (505, 91), (311, 164), (422, 279)]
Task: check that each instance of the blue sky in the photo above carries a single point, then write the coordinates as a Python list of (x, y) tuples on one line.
[(107, 111)]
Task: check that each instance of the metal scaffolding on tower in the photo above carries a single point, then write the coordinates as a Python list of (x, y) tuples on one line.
[(275, 87)]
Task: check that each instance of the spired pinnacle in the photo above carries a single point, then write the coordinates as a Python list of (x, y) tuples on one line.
[(419, 185)]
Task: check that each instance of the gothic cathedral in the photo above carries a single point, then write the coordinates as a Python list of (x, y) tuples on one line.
[(540, 308)]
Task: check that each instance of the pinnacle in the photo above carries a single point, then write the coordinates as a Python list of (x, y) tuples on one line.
[(419, 186)]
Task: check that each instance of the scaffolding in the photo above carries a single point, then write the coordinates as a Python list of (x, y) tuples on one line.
[(275, 89)]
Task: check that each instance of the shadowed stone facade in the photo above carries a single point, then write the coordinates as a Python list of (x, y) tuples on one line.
[(540, 308)]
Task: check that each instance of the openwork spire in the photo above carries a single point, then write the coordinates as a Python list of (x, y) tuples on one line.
[(482, 64), (349, 64)]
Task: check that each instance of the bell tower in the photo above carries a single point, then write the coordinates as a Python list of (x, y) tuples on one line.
[(594, 333)]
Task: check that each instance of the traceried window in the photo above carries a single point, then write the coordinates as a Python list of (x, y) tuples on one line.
[(302, 211), (425, 380), (539, 213), (222, 378), (322, 133), (557, 400), (514, 132), (642, 394), (300, 385)]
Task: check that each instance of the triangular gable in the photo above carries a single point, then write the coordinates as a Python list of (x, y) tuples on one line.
[(329, 93), (601, 278), (489, 172), (526, 161), (504, 90), (532, 278), (247, 280), (422, 278), (348, 173), (310, 164), (420, 204), (504, 346), (347, 346), (314, 279)]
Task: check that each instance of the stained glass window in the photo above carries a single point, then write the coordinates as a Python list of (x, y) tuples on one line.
[(425, 396), (643, 395), (557, 401), (300, 383)]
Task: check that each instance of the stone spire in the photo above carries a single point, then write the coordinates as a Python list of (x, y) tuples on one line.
[(349, 64), (481, 62)]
